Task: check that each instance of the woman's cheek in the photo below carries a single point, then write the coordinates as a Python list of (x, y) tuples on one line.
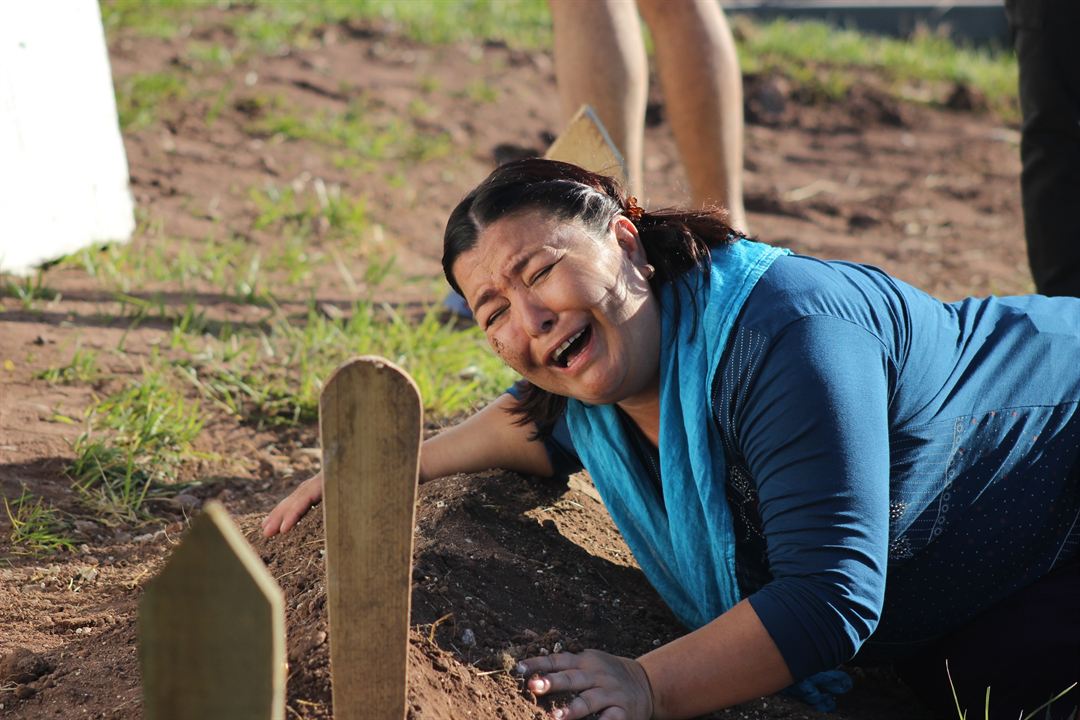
[(502, 349)]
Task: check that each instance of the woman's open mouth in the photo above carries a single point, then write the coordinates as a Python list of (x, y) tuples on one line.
[(565, 353)]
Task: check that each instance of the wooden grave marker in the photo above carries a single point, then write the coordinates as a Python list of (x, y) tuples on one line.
[(212, 630), (370, 421), (586, 143)]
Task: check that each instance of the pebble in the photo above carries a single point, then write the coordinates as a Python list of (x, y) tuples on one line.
[(149, 537), (86, 527), (187, 501), (468, 638)]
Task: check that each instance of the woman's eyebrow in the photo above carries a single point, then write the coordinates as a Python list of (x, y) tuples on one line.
[(516, 265)]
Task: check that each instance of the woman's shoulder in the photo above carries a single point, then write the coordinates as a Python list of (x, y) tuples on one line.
[(798, 286)]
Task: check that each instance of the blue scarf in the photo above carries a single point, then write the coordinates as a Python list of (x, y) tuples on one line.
[(684, 542)]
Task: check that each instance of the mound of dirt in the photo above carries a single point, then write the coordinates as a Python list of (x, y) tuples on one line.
[(501, 572), (504, 568)]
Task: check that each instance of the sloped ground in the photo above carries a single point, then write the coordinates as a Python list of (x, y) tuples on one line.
[(929, 194)]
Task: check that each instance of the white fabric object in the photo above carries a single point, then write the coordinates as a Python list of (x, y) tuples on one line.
[(63, 169)]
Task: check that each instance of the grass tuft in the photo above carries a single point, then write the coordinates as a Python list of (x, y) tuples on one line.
[(83, 368), (361, 134), (139, 97), (135, 443), (30, 291), (826, 58), (36, 528), (275, 378), (962, 712)]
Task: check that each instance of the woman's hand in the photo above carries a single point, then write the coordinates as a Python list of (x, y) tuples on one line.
[(615, 688), (289, 511)]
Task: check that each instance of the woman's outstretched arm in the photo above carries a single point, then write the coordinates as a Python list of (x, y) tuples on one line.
[(488, 439)]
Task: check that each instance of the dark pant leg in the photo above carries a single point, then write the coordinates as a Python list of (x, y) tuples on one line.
[(1046, 34), (1026, 649)]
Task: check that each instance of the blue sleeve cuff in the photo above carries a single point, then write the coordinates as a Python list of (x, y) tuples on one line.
[(559, 445)]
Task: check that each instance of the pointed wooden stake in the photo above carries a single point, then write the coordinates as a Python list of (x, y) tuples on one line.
[(212, 630), (585, 142), (370, 418)]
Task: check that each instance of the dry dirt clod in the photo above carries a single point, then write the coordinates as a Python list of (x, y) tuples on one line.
[(22, 666)]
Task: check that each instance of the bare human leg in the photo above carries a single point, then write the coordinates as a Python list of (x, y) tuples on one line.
[(600, 60), (699, 73)]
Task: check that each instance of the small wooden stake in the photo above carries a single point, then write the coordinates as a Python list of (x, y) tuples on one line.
[(212, 630), (370, 418), (585, 142)]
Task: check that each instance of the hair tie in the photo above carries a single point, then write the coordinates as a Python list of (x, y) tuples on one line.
[(633, 210)]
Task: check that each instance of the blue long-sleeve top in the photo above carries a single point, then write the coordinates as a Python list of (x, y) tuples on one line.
[(895, 464)]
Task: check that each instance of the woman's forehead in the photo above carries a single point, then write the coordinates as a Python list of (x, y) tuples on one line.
[(504, 240), (507, 244)]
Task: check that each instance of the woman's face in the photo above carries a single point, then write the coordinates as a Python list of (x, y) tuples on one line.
[(571, 312)]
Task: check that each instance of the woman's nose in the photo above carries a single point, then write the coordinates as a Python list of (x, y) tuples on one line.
[(538, 319)]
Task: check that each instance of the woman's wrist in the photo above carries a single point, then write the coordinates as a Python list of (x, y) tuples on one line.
[(654, 711)]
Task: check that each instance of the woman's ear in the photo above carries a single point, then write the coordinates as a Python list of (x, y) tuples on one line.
[(626, 234)]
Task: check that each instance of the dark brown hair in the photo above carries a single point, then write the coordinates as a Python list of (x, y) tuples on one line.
[(675, 241)]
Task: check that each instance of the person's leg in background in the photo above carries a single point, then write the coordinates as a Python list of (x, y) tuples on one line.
[(1045, 35), (600, 60), (702, 83)]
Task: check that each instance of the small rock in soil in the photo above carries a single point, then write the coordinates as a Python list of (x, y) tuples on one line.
[(86, 528), (187, 501)]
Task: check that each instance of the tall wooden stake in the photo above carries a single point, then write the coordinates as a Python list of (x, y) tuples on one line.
[(370, 418)]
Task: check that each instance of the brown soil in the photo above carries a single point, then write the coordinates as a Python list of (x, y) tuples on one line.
[(929, 194)]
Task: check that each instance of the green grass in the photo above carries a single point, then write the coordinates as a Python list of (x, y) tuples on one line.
[(30, 291), (786, 47), (136, 441), (962, 713), (273, 26), (275, 378), (83, 368), (359, 134), (140, 96), (323, 211), (36, 528), (232, 267)]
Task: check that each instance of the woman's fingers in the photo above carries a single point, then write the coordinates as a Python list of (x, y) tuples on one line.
[(548, 663), (615, 687), (589, 702), (572, 680), (289, 511)]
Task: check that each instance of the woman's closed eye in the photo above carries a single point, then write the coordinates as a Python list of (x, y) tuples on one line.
[(494, 316), (540, 274)]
